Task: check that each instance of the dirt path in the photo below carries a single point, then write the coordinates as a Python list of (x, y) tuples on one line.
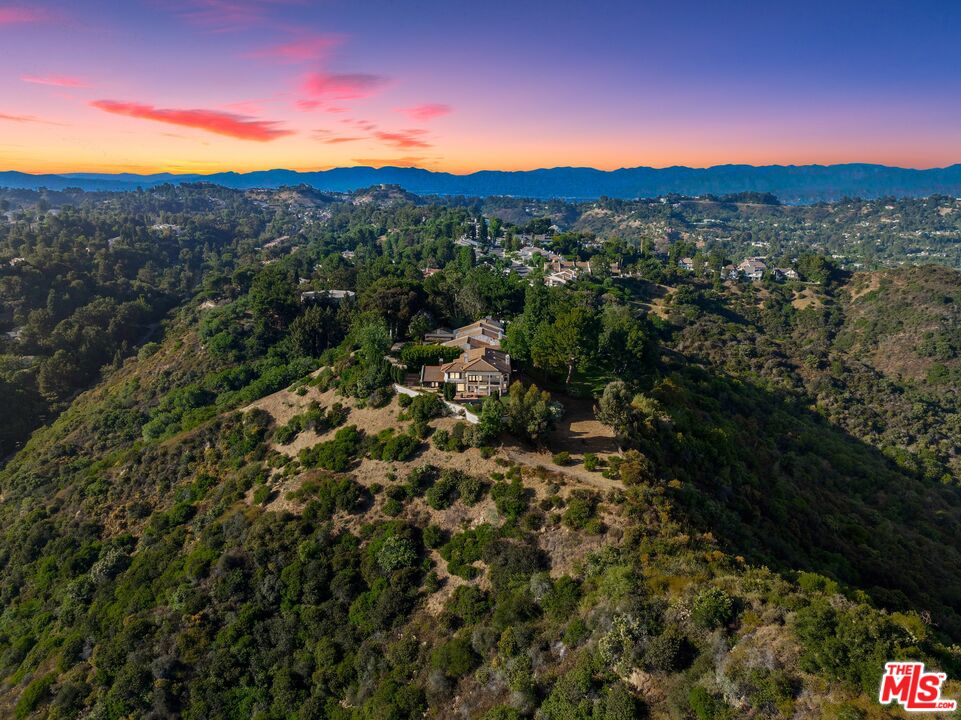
[(577, 472), (873, 284)]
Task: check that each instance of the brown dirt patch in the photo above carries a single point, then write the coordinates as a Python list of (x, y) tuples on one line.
[(806, 298)]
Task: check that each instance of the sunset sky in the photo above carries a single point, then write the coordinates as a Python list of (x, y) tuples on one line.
[(210, 85)]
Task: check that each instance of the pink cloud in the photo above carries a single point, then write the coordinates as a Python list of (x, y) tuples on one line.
[(328, 138), (426, 112), (228, 15), (27, 119), (403, 139), (365, 125), (307, 48), (11, 15), (350, 86), (245, 107), (66, 81), (18, 118), (221, 123)]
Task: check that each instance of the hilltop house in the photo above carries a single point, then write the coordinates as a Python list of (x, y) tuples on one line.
[(482, 369), (479, 372), (487, 331), (752, 268), (785, 274)]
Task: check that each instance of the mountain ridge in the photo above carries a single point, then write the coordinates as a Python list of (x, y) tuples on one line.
[(791, 183)]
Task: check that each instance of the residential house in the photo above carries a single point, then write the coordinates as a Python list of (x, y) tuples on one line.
[(752, 268), (527, 254), (686, 264), (332, 296), (558, 264), (522, 270), (482, 369), (785, 274), (477, 373), (560, 278), (486, 331), (439, 335), (466, 342)]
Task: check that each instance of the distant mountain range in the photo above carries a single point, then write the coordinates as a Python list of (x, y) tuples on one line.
[(791, 183)]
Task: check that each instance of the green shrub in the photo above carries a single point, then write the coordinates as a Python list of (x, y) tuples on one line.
[(562, 458), (426, 407), (502, 712), (668, 652), (560, 602), (511, 499), (420, 479), (712, 608), (469, 604), (285, 434), (581, 510), (381, 396), (849, 644), (434, 536), (617, 704), (432, 582), (440, 439), (396, 553), (336, 455), (466, 548), (415, 356), (591, 461), (443, 493), (771, 690), (328, 495), (576, 632), (36, 693), (262, 494), (455, 658), (471, 488), (393, 507), (707, 707), (147, 350), (393, 447)]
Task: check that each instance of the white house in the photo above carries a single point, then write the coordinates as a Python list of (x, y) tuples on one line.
[(752, 268)]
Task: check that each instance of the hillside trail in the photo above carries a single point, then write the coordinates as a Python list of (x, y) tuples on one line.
[(534, 459)]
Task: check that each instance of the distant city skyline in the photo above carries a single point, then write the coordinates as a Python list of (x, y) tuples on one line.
[(204, 86)]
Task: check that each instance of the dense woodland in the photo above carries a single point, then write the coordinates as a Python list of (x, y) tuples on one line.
[(214, 505)]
